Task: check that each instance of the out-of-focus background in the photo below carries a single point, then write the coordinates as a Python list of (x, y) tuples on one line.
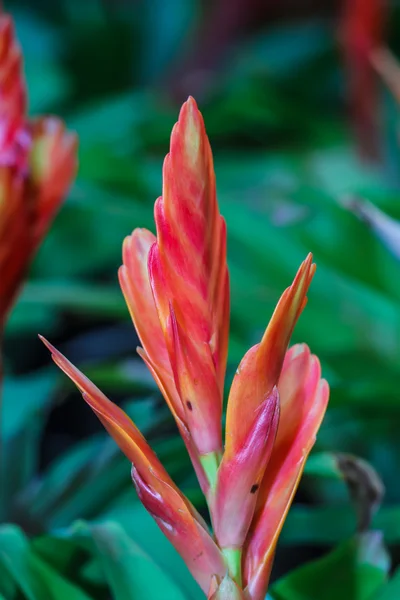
[(301, 139)]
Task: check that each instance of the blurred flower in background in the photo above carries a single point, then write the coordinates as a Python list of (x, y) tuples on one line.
[(362, 33), (37, 165)]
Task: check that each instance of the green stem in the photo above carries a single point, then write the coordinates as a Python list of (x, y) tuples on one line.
[(233, 561), (210, 463)]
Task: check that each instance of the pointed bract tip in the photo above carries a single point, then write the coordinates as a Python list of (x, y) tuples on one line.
[(296, 350), (137, 243), (308, 267), (296, 294), (191, 102), (323, 391), (189, 130), (48, 345), (189, 109)]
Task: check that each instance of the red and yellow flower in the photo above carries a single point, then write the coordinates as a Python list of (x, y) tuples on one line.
[(177, 289)]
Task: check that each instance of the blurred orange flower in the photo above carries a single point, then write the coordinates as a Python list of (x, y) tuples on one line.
[(37, 165)]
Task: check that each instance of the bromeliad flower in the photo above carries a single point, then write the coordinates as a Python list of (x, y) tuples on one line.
[(37, 164), (177, 290)]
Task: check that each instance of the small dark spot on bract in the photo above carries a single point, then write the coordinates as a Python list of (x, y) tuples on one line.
[(189, 405), (254, 488)]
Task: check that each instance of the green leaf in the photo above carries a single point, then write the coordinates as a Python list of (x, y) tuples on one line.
[(323, 464), (47, 81), (26, 400), (141, 527), (284, 48), (14, 558), (129, 572), (55, 585), (391, 590), (31, 393), (354, 571), (331, 524), (165, 28), (80, 298), (85, 480), (30, 574)]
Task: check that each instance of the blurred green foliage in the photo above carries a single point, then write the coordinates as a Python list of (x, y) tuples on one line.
[(284, 157)]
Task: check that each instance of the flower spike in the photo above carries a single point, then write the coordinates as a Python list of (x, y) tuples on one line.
[(176, 287), (185, 335), (191, 239), (189, 278)]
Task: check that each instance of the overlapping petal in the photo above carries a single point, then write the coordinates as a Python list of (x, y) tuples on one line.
[(173, 513), (240, 475), (135, 284), (304, 397), (194, 374)]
